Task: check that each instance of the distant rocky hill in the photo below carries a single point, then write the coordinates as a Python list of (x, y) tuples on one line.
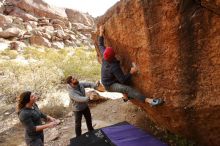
[(34, 22)]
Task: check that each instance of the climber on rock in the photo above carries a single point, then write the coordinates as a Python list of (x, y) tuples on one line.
[(114, 80)]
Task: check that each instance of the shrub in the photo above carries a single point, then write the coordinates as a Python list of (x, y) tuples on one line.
[(57, 104), (45, 68), (12, 54), (34, 77)]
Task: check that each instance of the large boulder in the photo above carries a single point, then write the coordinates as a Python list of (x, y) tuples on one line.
[(39, 41), (31, 9), (11, 9), (175, 45), (78, 17), (41, 9), (10, 33), (5, 20), (22, 14)]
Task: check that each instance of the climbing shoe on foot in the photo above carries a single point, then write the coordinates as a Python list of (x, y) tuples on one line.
[(156, 102)]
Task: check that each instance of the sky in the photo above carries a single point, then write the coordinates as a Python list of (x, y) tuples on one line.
[(93, 7)]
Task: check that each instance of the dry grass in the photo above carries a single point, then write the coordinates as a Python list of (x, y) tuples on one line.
[(56, 111), (44, 69)]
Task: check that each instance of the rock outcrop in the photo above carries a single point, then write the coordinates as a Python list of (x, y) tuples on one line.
[(5, 20), (10, 32), (39, 40), (175, 45), (39, 8), (34, 22), (77, 17)]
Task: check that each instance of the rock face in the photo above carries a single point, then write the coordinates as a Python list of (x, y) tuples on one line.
[(39, 8), (175, 45), (213, 5), (77, 17)]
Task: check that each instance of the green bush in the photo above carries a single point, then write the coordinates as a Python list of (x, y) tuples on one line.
[(46, 69)]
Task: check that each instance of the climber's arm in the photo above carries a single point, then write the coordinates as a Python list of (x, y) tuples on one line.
[(101, 40)]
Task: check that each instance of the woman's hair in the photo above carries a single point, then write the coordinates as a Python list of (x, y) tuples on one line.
[(68, 79), (22, 100)]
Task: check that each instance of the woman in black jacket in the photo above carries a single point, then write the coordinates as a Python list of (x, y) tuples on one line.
[(30, 117)]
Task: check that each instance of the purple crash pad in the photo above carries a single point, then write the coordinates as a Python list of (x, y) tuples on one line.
[(128, 135)]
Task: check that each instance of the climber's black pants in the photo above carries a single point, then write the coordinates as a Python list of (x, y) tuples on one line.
[(78, 119), (132, 93)]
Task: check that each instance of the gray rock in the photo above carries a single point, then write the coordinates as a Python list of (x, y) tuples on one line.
[(60, 34), (5, 20), (58, 45), (17, 20), (28, 27), (33, 24), (55, 22), (17, 45), (46, 35), (67, 42), (10, 32), (37, 32)]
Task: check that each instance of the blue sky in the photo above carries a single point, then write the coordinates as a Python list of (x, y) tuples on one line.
[(93, 7)]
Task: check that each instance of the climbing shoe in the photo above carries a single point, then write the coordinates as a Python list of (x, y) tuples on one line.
[(156, 102)]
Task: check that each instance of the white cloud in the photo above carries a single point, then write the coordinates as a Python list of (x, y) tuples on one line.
[(93, 7)]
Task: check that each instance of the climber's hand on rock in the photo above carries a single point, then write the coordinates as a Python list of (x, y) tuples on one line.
[(101, 30), (133, 70)]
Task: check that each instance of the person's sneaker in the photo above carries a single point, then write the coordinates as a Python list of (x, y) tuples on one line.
[(156, 102)]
